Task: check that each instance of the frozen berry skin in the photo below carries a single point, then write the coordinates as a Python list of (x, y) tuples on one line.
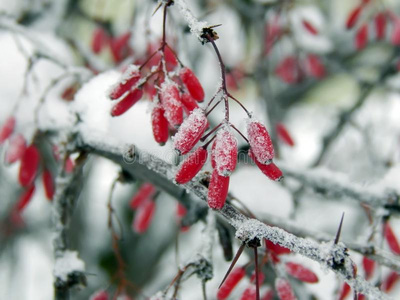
[(224, 152), (301, 273), (7, 129), (171, 103), (284, 290), (190, 131), (192, 84), (191, 165), (230, 283), (128, 79), (217, 190), (260, 142)]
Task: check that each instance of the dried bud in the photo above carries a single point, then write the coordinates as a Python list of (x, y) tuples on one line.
[(146, 191), (230, 283), (7, 129), (301, 273), (217, 190), (192, 84), (29, 166), (191, 166), (171, 103), (190, 131), (260, 142), (224, 152), (143, 216), (159, 125), (127, 102)]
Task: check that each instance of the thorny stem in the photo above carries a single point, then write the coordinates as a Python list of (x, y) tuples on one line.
[(339, 230)]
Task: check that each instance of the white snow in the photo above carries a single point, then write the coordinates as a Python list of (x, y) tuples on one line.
[(67, 264)]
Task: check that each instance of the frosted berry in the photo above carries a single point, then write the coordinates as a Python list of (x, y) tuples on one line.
[(170, 59), (170, 100), (391, 239), (16, 149), (144, 216), (191, 165), (29, 166), (345, 290), (284, 135), (7, 129), (353, 17), (190, 131), (284, 290), (48, 184), (301, 273), (126, 103), (192, 84), (276, 248), (159, 125), (25, 198), (130, 77), (224, 152), (146, 191), (288, 70), (217, 190), (250, 293), (260, 142), (268, 295), (230, 283), (271, 170)]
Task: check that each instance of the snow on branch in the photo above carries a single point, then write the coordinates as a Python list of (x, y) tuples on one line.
[(339, 185), (139, 163)]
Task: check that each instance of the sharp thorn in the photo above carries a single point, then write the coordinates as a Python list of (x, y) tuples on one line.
[(339, 230), (235, 259)]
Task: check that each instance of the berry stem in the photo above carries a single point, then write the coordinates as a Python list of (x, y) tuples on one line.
[(238, 131), (211, 132), (256, 272)]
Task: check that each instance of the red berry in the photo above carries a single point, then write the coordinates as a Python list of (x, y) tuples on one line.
[(146, 191), (391, 239), (250, 293), (99, 295), (380, 25), (180, 210), (231, 281), (29, 166), (275, 248), (395, 37), (188, 102), (260, 142), (143, 216), (170, 59), (190, 131), (119, 46), (126, 103), (224, 152), (310, 28), (261, 277), (273, 32), (284, 135), (191, 165), (270, 170), (301, 273), (217, 190), (345, 290), (361, 38), (284, 290), (7, 129), (192, 84), (48, 184), (25, 198), (171, 102), (369, 266), (353, 17), (16, 149), (389, 282), (288, 70), (159, 125), (128, 79), (99, 39), (69, 165), (315, 66)]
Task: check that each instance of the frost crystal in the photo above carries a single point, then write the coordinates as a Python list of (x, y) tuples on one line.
[(224, 152)]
